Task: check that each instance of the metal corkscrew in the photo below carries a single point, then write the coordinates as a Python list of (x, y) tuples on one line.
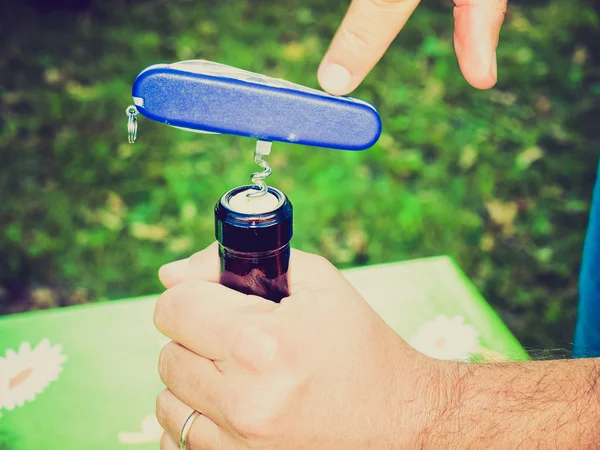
[(263, 148)]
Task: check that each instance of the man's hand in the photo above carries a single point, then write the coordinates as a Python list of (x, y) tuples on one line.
[(320, 370), (370, 26)]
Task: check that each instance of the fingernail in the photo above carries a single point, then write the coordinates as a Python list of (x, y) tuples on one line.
[(334, 78), (494, 69)]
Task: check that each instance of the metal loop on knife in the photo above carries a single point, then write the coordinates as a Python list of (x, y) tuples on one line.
[(132, 125)]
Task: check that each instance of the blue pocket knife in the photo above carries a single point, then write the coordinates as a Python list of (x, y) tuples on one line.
[(207, 97)]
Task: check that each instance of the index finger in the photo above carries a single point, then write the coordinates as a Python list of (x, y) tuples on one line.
[(366, 32), (203, 316)]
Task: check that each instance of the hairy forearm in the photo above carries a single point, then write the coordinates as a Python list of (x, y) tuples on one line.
[(543, 404)]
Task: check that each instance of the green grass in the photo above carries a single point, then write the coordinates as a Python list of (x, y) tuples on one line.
[(500, 180)]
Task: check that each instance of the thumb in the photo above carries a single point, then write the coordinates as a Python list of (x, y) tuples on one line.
[(203, 266), (476, 31)]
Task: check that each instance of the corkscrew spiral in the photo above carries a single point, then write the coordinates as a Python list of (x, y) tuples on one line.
[(263, 148)]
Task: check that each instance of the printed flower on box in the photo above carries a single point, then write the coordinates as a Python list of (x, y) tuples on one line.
[(150, 431), (27, 372), (446, 338)]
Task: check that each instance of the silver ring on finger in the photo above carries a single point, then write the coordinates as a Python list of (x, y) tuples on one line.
[(187, 426)]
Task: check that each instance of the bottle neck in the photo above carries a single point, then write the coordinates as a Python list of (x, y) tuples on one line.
[(257, 273), (225, 251)]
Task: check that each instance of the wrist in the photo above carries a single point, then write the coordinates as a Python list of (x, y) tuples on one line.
[(435, 397), (415, 401), (445, 400), (472, 408), (460, 415), (481, 405)]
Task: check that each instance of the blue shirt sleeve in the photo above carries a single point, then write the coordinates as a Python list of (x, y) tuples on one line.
[(587, 333)]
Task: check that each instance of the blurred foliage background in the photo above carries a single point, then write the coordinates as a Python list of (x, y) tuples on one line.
[(500, 180)]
